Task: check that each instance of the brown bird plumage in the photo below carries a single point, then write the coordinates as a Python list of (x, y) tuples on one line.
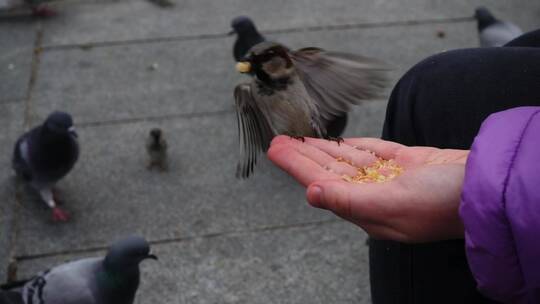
[(297, 93), (156, 146)]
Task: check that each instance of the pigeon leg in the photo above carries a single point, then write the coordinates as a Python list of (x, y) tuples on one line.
[(47, 196), (56, 196), (58, 214)]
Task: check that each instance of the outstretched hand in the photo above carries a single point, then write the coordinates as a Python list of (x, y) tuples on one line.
[(421, 204)]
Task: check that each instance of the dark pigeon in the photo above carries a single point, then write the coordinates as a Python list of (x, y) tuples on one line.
[(45, 154), (247, 36), (110, 280)]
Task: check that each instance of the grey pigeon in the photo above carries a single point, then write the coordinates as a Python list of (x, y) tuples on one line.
[(493, 32), (110, 280), (156, 146), (296, 93), (45, 154), (247, 37)]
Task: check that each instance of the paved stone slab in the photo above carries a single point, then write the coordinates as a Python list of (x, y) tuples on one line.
[(313, 264), (111, 83), (117, 82), (138, 19), (11, 125), (17, 41), (110, 192)]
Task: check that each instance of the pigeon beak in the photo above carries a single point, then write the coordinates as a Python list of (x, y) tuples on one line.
[(152, 256), (231, 33), (243, 67), (72, 131)]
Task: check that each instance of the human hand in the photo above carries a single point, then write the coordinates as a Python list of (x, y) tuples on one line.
[(419, 205)]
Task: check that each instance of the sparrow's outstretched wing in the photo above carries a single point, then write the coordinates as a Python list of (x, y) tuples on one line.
[(254, 132), (338, 80)]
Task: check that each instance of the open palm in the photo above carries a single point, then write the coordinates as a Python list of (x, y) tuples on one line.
[(421, 204)]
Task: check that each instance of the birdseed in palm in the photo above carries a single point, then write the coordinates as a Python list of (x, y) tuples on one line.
[(381, 171)]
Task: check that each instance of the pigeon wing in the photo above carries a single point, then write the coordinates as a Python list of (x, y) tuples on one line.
[(254, 132), (499, 34), (19, 162), (73, 282), (335, 81)]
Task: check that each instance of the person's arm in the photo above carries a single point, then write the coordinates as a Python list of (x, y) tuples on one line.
[(500, 206)]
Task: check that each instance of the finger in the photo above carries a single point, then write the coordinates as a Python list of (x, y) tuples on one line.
[(324, 159), (302, 168), (356, 157), (280, 139), (382, 148), (373, 203), (376, 223)]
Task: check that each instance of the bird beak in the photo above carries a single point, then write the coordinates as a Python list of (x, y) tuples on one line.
[(231, 33), (243, 67), (152, 256), (72, 131)]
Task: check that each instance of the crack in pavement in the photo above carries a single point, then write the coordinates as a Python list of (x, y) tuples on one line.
[(335, 27), (155, 118), (184, 239)]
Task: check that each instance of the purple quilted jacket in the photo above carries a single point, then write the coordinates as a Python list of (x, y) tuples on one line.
[(500, 206)]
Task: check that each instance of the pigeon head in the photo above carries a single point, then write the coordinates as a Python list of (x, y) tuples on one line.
[(59, 122), (484, 17), (156, 133), (241, 25), (127, 253), (268, 61)]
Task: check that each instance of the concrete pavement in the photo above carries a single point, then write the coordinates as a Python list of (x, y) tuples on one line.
[(220, 240)]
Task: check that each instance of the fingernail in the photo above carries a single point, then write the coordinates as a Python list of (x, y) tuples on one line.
[(315, 196)]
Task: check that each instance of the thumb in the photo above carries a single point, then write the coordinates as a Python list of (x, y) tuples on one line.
[(331, 195)]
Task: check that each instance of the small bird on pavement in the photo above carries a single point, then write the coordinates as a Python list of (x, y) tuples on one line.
[(110, 280), (45, 154), (247, 37), (156, 146), (493, 32), (296, 93)]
